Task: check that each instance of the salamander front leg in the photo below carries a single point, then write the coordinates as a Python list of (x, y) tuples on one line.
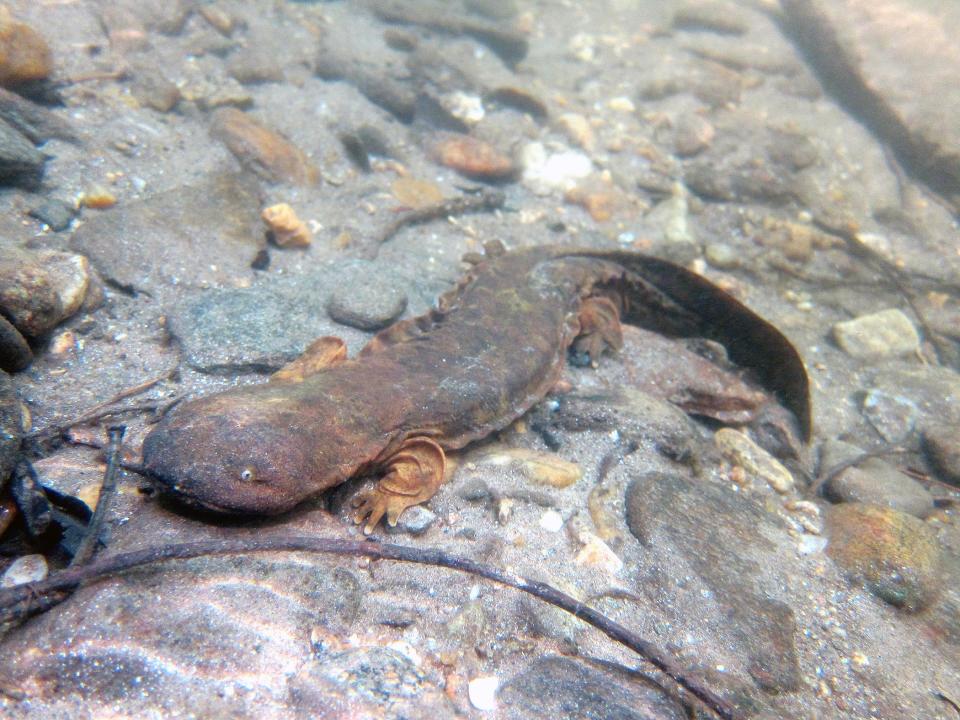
[(600, 328), (414, 474)]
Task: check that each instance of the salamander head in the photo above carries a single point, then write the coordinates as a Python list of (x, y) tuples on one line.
[(229, 454)]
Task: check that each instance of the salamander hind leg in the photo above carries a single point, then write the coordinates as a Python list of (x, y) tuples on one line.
[(600, 328), (414, 474)]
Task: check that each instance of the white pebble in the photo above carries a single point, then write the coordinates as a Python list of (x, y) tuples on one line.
[(29, 568), (483, 692), (551, 521)]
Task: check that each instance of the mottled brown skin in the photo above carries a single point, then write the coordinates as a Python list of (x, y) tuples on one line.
[(494, 347)]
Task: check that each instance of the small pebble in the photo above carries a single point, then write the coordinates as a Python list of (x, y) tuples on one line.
[(287, 230), (596, 553), (98, 198), (483, 692), (26, 569), (740, 449), (539, 467), (578, 129), (414, 521), (55, 214), (722, 256), (547, 173), (473, 158), (885, 334), (551, 521), (692, 135)]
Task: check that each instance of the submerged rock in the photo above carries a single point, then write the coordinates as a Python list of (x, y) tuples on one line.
[(895, 555), (40, 290), (723, 539), (262, 150), (24, 54), (550, 686), (202, 234)]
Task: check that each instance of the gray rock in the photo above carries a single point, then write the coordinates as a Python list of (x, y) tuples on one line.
[(721, 535), (893, 416), (414, 521), (884, 334), (199, 235), (56, 214), (259, 329), (35, 122), (20, 162), (896, 63), (554, 687), (872, 481), (369, 304)]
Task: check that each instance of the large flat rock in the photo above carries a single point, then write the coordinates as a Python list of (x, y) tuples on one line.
[(895, 63)]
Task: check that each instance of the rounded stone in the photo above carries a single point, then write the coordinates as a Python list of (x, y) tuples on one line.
[(888, 333), (894, 555), (367, 306)]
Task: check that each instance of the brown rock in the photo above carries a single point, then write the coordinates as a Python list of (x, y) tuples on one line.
[(895, 555), (24, 54), (265, 152), (39, 290), (473, 158)]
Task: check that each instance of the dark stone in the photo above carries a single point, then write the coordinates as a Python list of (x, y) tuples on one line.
[(204, 234), (721, 534), (20, 162), (56, 214), (35, 122), (554, 687), (10, 428), (15, 353), (367, 305)]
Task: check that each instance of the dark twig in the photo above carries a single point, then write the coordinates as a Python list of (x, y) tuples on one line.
[(483, 201), (88, 545), (947, 700), (101, 410), (22, 599)]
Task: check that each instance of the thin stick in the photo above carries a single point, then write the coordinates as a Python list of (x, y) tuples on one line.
[(97, 411), (88, 545), (484, 201), (22, 598)]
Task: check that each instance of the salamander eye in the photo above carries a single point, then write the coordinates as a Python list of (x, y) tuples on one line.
[(248, 474)]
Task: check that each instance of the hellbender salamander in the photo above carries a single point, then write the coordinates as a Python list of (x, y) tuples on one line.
[(493, 347)]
